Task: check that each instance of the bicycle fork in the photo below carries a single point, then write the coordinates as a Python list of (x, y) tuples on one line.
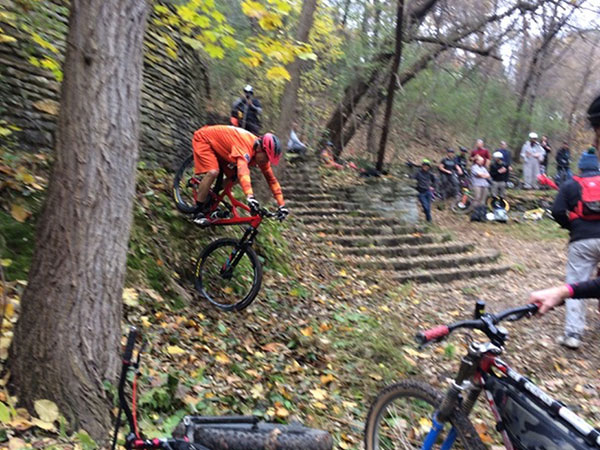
[(236, 255)]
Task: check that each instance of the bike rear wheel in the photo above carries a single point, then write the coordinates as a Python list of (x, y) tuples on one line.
[(400, 417), (184, 187), (463, 205), (260, 436), (227, 275), (513, 182)]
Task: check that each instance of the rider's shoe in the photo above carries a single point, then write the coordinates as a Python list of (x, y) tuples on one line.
[(570, 340), (201, 221)]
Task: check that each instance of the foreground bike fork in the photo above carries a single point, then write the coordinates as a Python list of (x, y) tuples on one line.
[(432, 436), (236, 255)]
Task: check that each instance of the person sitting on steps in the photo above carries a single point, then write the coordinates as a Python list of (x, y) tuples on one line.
[(235, 148)]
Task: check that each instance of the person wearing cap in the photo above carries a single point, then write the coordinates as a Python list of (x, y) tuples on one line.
[(506, 156), (450, 171), (481, 151), (246, 110), (532, 155), (461, 158), (499, 174), (425, 182), (583, 254)]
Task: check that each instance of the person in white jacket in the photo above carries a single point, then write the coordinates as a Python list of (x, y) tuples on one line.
[(532, 155)]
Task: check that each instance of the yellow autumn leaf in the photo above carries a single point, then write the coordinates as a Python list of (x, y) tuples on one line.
[(327, 378), (130, 297), (46, 410), (175, 350), (222, 358), (48, 426), (308, 331), (282, 412), (343, 273), (257, 391), (252, 8), (278, 73), (19, 213), (319, 394), (228, 290), (319, 405)]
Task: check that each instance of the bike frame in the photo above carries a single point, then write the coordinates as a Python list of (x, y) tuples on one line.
[(476, 368)]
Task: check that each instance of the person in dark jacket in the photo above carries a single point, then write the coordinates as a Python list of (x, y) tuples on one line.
[(563, 164), (584, 245), (245, 112), (499, 175), (548, 149), (449, 173), (425, 182)]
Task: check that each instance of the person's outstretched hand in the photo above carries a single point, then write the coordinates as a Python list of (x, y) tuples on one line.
[(549, 298)]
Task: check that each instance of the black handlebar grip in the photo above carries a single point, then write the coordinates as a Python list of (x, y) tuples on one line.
[(130, 343)]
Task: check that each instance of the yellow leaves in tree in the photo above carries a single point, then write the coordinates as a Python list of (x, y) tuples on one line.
[(253, 9), (278, 74), (270, 21), (44, 43)]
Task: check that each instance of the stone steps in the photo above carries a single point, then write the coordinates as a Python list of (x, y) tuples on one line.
[(349, 219), (428, 262), (299, 198), (447, 275), (320, 204), (326, 212), (383, 240), (410, 250), (294, 190), (342, 230)]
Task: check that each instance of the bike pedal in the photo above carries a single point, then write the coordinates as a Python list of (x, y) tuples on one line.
[(202, 222)]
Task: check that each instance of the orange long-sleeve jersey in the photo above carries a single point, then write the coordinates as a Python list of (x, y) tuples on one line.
[(235, 146)]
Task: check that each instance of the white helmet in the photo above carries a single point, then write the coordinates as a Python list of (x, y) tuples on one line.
[(498, 155), (248, 89), (533, 135)]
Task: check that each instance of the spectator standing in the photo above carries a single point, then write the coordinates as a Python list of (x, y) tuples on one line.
[(563, 164), (532, 155), (481, 151), (570, 211), (450, 171), (499, 175), (425, 182), (481, 177), (295, 145), (547, 149), (461, 159), (505, 155), (246, 111)]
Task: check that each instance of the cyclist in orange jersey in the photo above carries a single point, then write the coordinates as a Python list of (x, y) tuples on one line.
[(218, 146)]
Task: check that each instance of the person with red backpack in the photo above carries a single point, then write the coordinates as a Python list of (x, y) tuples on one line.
[(577, 208)]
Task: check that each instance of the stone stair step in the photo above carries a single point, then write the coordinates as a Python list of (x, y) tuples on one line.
[(350, 219), (298, 191), (331, 212), (383, 240), (429, 262), (406, 250), (384, 228), (448, 274), (308, 197), (323, 204)]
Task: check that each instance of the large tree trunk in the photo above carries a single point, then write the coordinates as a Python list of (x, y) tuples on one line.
[(290, 92), (67, 338), (391, 86)]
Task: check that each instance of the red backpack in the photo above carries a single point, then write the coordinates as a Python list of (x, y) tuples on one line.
[(588, 208)]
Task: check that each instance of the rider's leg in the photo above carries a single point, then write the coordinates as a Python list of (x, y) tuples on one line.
[(206, 183), (205, 162)]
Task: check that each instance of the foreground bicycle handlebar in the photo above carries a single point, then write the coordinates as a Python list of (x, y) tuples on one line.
[(483, 321)]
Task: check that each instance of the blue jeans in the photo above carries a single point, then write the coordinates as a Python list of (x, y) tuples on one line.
[(425, 200)]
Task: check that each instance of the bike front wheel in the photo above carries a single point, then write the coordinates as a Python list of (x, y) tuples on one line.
[(228, 275), (400, 418)]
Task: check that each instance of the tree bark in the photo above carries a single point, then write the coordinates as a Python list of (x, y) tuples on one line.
[(66, 341), (391, 86)]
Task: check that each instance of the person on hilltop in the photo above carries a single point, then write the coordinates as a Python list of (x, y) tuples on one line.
[(246, 111), (450, 171), (547, 149), (577, 209), (499, 175), (532, 155), (481, 151), (227, 148), (563, 164), (425, 182)]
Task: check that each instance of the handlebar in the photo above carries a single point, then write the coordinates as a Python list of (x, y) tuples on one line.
[(485, 322), (165, 444)]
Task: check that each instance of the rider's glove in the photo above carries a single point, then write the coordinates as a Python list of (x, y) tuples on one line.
[(253, 204), (282, 213)]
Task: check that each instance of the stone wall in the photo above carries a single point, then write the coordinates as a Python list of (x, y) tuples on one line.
[(173, 95)]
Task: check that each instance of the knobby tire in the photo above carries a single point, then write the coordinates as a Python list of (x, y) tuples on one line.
[(200, 280), (420, 392), (261, 436), (183, 204)]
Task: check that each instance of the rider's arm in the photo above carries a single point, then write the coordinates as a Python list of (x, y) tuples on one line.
[(565, 200), (273, 183), (255, 105), (549, 298), (243, 172)]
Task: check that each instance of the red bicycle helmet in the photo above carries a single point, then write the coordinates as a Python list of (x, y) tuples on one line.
[(270, 144)]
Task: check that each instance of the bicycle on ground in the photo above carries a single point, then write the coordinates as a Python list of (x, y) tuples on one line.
[(228, 272), (209, 432), (413, 414)]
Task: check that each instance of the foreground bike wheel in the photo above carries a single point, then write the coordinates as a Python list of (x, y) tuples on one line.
[(260, 436), (227, 276), (400, 418), (184, 187)]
